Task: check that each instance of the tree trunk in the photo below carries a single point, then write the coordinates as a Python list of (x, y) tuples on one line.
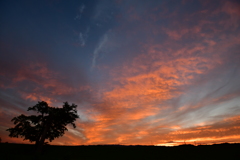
[(40, 141), (38, 138), (40, 133)]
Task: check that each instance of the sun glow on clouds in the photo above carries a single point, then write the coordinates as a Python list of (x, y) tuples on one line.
[(168, 75), (154, 84)]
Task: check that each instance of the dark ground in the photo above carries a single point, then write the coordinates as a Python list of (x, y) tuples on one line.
[(10, 151)]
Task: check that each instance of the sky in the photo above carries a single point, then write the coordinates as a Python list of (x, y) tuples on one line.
[(156, 72)]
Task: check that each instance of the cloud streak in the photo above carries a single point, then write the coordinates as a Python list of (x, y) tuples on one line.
[(99, 49)]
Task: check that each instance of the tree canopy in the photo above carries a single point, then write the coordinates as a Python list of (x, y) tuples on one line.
[(48, 124)]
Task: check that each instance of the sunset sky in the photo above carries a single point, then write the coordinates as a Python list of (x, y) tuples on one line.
[(148, 72)]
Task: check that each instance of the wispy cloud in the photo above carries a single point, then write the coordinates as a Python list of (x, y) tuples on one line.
[(81, 9), (83, 37), (99, 49)]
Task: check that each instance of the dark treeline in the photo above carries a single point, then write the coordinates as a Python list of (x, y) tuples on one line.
[(138, 152)]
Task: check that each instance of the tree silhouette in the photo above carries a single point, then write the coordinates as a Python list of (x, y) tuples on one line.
[(50, 123)]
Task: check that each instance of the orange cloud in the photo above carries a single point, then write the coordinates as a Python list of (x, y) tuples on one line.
[(139, 96)]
